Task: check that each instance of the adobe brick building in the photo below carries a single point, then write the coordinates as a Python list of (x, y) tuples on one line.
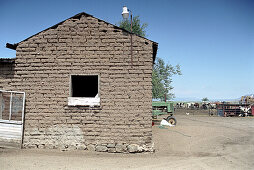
[(82, 90)]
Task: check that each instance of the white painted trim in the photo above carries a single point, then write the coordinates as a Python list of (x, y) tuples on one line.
[(12, 91), (23, 120), (83, 101), (11, 121)]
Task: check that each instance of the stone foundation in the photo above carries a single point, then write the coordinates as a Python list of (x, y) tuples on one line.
[(111, 147)]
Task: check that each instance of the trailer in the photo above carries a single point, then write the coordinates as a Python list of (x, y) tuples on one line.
[(164, 108), (227, 109)]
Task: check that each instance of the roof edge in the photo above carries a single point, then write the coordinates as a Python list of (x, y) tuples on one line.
[(11, 46), (55, 26), (7, 60), (77, 16)]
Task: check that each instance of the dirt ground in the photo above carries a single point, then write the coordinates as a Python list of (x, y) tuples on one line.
[(197, 142)]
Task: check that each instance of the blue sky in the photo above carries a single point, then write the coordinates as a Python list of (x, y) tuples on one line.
[(212, 40)]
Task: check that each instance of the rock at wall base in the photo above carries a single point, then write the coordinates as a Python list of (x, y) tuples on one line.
[(91, 147), (101, 148)]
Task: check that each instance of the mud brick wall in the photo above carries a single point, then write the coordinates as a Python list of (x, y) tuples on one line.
[(7, 73), (4, 105), (7, 79), (80, 46)]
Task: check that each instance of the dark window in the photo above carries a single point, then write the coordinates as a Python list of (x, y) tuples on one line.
[(84, 86)]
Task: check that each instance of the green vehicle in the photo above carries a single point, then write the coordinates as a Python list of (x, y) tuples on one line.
[(164, 108)]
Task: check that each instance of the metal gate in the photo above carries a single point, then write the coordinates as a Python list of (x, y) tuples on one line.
[(12, 107)]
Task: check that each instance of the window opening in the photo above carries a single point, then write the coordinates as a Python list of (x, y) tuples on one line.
[(84, 86)]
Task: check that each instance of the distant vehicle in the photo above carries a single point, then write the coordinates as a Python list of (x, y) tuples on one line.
[(234, 110)]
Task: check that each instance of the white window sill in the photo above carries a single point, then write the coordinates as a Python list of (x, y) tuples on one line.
[(83, 101)]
